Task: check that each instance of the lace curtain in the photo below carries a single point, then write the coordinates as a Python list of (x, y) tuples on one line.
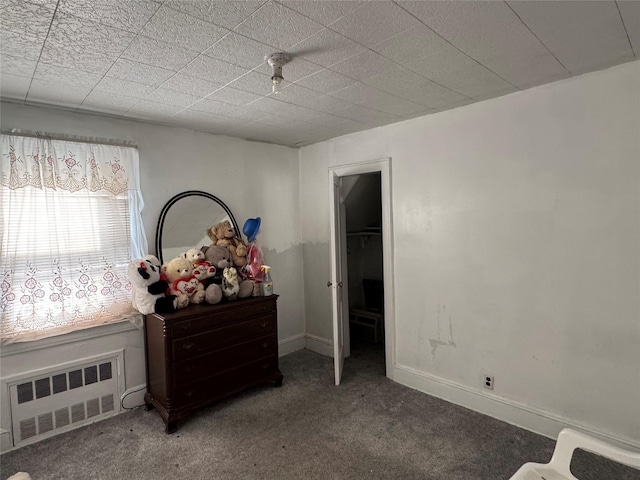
[(70, 216)]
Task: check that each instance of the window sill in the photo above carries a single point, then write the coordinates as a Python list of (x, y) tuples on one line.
[(78, 336)]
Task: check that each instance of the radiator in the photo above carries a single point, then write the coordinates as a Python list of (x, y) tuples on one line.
[(50, 401)]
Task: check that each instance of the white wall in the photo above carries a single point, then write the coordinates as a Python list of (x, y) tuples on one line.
[(516, 228), (252, 178)]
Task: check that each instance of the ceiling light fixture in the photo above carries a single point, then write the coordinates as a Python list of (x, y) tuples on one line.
[(276, 61)]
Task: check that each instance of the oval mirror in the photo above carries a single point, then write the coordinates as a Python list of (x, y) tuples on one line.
[(184, 222)]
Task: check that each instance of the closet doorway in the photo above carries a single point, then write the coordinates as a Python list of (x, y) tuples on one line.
[(362, 273)]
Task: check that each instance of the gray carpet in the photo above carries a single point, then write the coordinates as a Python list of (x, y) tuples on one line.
[(368, 428)]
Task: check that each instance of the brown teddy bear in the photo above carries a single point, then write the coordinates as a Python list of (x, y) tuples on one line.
[(224, 235), (182, 283), (220, 257)]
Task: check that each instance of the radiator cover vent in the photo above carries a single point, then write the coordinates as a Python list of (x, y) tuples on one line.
[(48, 402)]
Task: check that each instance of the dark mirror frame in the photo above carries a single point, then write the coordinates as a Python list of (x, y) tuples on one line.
[(175, 199)]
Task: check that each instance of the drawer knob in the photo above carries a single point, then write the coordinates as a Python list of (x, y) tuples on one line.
[(189, 368), (184, 328), (265, 345), (265, 366), (189, 393), (264, 324), (187, 345)]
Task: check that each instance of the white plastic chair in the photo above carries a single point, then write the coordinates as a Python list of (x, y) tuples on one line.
[(568, 441)]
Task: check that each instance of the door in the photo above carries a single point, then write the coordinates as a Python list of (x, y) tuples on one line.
[(336, 210)]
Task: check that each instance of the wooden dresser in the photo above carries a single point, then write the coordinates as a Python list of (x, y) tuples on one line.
[(206, 352)]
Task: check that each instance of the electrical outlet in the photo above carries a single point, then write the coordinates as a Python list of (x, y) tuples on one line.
[(487, 381)]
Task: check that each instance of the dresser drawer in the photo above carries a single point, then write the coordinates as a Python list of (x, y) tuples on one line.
[(204, 342), (209, 364), (219, 318), (225, 383)]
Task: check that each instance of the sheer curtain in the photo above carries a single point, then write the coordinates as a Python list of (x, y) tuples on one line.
[(70, 217)]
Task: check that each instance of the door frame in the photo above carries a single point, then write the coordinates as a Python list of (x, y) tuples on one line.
[(383, 166)]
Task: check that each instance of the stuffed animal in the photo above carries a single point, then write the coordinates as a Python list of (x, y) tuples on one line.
[(230, 284), (224, 235), (148, 289), (220, 257), (182, 283), (195, 256)]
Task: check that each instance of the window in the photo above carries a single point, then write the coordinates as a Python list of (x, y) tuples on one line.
[(70, 217)]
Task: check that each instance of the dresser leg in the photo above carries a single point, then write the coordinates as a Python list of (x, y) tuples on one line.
[(278, 380), (171, 427)]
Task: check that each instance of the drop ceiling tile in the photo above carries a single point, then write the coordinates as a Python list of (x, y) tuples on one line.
[(171, 97), (239, 50), (296, 94), (198, 117), (473, 81), (323, 12), (226, 13), (23, 17), (178, 28), (278, 26), (253, 82), (76, 34), (159, 54), (411, 45), (108, 102), (57, 75), (271, 105), (394, 106), (445, 61), (366, 115), (213, 70), (390, 79), (213, 106), (492, 34), (86, 60), (358, 93), (61, 95), (389, 20), (234, 96), (296, 69), (363, 65), (495, 94), (191, 85), (326, 81), (128, 15), (324, 103), (326, 48), (296, 112), (430, 94), (148, 110), (582, 35), (423, 113), (22, 45), (123, 87), (44, 3), (17, 65), (139, 72), (14, 87), (630, 12)]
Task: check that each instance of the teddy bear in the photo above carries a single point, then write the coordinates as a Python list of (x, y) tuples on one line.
[(149, 289), (182, 283), (224, 235), (195, 256), (220, 257)]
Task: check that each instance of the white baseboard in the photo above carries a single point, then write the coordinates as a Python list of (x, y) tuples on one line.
[(290, 345), (133, 397), (504, 409), (319, 345)]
